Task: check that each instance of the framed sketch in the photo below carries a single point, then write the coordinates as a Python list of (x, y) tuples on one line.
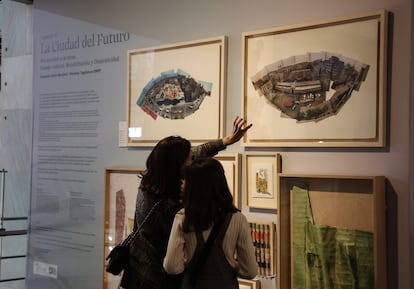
[(261, 179), (176, 89), (232, 170), (319, 84), (121, 186), (249, 284)]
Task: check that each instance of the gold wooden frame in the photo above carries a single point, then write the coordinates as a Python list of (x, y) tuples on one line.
[(117, 179), (355, 117), (352, 188), (205, 62), (249, 283), (264, 162), (231, 164)]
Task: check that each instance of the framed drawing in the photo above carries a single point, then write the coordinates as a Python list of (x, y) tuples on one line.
[(176, 90), (318, 84), (249, 284), (232, 170), (261, 179), (121, 186)]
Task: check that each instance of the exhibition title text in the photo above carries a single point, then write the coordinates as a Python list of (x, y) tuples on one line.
[(84, 41)]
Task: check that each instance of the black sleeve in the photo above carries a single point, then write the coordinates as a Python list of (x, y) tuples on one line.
[(208, 149)]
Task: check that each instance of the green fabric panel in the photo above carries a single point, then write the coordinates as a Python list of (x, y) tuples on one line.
[(326, 257)]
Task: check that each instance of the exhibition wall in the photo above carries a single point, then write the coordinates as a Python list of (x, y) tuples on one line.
[(80, 90)]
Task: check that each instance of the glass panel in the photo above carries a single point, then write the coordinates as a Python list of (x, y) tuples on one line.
[(14, 246), (13, 268), (15, 225), (18, 284)]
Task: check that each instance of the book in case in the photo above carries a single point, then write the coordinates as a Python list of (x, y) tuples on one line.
[(263, 237)]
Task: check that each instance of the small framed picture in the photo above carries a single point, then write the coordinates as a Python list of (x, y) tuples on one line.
[(249, 284), (261, 179)]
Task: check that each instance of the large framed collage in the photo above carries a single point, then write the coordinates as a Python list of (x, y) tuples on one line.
[(324, 84), (177, 89), (321, 84)]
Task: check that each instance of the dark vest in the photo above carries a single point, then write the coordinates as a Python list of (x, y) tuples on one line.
[(216, 271)]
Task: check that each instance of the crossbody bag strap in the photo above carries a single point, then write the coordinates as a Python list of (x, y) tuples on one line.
[(135, 232)]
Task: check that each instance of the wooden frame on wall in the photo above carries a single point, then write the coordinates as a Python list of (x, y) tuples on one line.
[(121, 187), (351, 203), (261, 179), (232, 169), (249, 283), (177, 89), (319, 84)]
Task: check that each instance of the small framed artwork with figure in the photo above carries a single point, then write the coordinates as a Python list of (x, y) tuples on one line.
[(261, 179)]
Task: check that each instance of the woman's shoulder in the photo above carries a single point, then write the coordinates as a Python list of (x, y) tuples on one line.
[(238, 215), (179, 217), (180, 214), (238, 218)]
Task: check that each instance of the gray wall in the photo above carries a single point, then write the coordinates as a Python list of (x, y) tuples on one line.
[(173, 21)]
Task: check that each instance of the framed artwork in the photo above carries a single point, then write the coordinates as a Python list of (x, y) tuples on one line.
[(319, 84), (176, 89), (121, 186), (232, 170), (263, 237), (261, 179), (349, 214), (249, 284)]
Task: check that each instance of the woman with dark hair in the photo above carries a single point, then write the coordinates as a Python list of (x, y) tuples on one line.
[(161, 190), (209, 203)]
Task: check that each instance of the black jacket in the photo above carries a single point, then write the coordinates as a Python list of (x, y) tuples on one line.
[(147, 251)]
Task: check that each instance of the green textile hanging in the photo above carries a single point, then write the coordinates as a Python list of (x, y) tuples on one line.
[(326, 257)]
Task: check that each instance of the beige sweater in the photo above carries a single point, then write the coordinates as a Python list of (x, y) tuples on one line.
[(237, 242)]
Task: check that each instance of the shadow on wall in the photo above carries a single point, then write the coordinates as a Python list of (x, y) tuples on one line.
[(392, 235)]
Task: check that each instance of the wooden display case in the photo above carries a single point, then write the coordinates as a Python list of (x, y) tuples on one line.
[(355, 203)]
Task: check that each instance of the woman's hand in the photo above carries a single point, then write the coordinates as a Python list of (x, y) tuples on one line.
[(239, 129)]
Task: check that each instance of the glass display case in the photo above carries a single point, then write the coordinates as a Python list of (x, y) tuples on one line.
[(331, 231)]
